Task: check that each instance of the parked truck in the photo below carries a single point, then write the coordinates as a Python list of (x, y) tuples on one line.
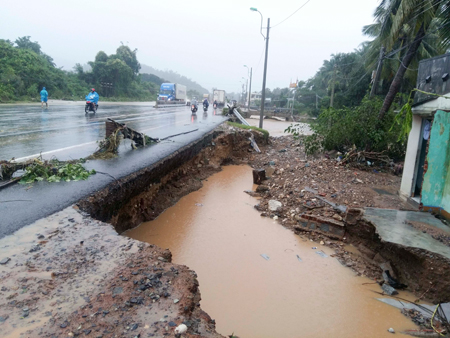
[(219, 96), (172, 93)]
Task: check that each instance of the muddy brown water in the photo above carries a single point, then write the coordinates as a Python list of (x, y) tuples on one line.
[(216, 232)]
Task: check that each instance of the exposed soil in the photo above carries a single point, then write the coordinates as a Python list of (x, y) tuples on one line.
[(74, 276)]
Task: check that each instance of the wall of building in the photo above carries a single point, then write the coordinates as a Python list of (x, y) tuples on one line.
[(436, 184), (409, 168)]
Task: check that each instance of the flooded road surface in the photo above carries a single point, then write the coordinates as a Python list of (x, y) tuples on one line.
[(216, 232)]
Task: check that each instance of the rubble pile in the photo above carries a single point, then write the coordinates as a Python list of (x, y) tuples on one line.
[(307, 186)]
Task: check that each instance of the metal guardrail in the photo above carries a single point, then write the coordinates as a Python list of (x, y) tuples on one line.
[(239, 116)]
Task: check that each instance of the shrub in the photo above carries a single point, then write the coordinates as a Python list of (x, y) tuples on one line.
[(345, 128)]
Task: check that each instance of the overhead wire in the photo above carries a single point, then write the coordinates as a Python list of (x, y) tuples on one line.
[(291, 14)]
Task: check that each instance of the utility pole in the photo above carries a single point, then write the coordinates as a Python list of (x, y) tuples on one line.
[(373, 91), (250, 90), (332, 87), (263, 99)]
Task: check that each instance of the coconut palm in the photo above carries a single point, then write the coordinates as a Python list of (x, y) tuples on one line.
[(402, 26)]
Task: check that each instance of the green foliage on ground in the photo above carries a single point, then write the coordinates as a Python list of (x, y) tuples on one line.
[(358, 127), (242, 126), (55, 171), (25, 69)]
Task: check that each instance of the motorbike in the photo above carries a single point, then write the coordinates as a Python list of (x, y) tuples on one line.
[(215, 105), (205, 107), (194, 108), (90, 106)]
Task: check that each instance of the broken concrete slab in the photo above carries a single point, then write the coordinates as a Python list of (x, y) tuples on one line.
[(392, 226)]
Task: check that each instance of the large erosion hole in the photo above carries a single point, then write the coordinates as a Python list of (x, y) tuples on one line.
[(144, 195)]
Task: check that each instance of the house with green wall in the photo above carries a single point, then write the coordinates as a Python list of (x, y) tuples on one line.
[(426, 174)]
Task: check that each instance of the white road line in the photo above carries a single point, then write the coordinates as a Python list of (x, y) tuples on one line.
[(81, 145)]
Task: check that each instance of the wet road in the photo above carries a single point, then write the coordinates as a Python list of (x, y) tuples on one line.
[(63, 131), (27, 130)]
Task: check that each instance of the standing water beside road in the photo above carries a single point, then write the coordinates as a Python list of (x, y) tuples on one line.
[(217, 233)]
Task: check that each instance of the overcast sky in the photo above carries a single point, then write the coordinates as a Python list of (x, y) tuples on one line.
[(207, 41)]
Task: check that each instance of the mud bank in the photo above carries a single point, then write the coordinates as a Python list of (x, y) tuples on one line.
[(69, 275)]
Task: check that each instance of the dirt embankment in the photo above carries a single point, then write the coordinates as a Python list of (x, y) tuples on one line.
[(69, 275)]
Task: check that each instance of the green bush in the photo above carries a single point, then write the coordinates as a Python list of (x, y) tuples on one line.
[(345, 128)]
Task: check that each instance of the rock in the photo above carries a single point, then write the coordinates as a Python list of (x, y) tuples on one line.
[(176, 301), (3, 318), (306, 164), (270, 171), (180, 329), (391, 330), (337, 217), (322, 242), (5, 260), (274, 205), (389, 290), (262, 188), (117, 291), (172, 324)]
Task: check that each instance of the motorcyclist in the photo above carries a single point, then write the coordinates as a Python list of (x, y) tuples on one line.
[(206, 103), (215, 103), (93, 97)]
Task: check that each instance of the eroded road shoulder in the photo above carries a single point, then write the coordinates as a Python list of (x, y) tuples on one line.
[(69, 275)]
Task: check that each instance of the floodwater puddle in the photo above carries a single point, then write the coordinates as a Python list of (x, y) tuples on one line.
[(258, 279)]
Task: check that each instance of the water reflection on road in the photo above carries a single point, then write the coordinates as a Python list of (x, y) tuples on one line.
[(27, 129), (216, 232)]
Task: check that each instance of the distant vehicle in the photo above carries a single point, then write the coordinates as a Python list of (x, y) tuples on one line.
[(219, 96), (172, 93), (194, 106)]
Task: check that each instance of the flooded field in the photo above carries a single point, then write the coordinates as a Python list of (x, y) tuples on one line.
[(258, 279)]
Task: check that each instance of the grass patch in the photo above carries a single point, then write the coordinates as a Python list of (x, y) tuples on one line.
[(238, 125)]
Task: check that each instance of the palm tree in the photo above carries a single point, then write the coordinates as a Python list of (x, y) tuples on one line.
[(402, 26)]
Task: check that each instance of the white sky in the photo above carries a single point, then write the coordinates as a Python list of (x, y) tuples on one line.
[(207, 41)]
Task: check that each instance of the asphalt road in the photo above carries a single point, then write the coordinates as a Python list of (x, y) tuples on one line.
[(63, 131)]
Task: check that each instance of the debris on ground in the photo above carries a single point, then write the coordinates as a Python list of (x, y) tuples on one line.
[(38, 169), (115, 133)]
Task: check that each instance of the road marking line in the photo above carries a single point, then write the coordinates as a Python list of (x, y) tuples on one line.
[(81, 145)]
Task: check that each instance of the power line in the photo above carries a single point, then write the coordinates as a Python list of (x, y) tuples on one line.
[(291, 14)]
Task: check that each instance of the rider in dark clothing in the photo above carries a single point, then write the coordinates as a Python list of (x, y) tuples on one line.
[(206, 103)]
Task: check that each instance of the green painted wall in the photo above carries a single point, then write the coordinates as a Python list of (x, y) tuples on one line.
[(436, 184)]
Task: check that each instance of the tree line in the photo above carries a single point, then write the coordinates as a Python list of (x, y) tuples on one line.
[(25, 69)]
